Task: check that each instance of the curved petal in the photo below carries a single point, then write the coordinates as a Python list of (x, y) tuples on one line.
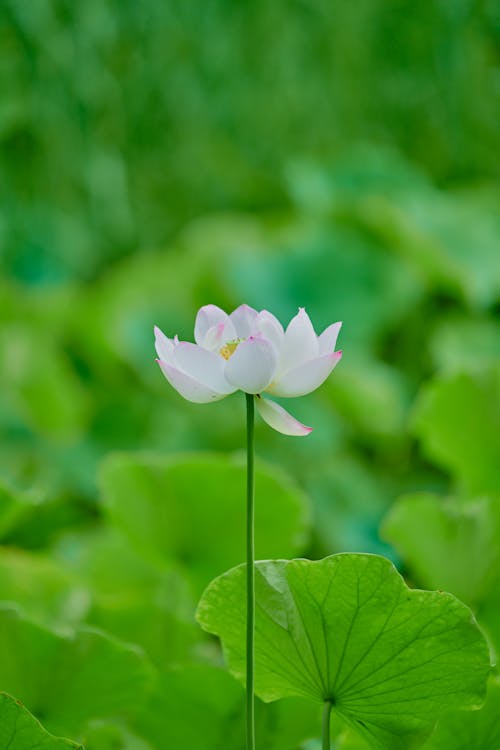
[(215, 338), (252, 366), (188, 387), (204, 366), (209, 316), (242, 319), (306, 377), (300, 343), (279, 419), (163, 345), (269, 327), (328, 338)]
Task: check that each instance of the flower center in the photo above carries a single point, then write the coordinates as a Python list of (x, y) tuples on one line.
[(229, 348)]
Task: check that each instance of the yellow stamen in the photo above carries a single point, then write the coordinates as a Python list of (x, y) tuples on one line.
[(228, 349)]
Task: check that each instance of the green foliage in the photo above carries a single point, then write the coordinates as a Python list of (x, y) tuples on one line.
[(46, 591), (122, 586), (348, 630), (48, 394), (105, 735), (157, 503), (70, 679), (121, 122), (215, 700), (460, 730), (19, 730), (457, 419), (15, 507), (452, 544), (447, 544), (463, 343), (476, 731)]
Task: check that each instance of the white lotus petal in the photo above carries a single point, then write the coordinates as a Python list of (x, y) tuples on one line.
[(300, 343), (242, 319), (188, 387), (269, 327), (328, 338), (206, 367), (209, 316), (163, 345), (252, 366), (279, 419), (215, 337), (306, 377)]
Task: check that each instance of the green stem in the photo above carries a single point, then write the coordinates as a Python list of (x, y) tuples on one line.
[(327, 709), (250, 570)]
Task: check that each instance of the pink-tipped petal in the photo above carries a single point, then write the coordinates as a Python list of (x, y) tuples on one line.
[(209, 316), (266, 325), (204, 366), (242, 319), (300, 343), (188, 387), (252, 366), (329, 337), (215, 337), (163, 345), (279, 419), (306, 377)]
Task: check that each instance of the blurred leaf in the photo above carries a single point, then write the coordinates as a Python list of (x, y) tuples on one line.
[(15, 507), (19, 730), (479, 730), (349, 501), (69, 679), (141, 149), (347, 629), (361, 171), (125, 586), (349, 740), (116, 317), (448, 544), (457, 418), (192, 509), (46, 591), (286, 723), (488, 616), (335, 271), (452, 227), (45, 390), (217, 702), (107, 735), (430, 230), (52, 514), (426, 229), (452, 544), (372, 396), (461, 343), (193, 707)]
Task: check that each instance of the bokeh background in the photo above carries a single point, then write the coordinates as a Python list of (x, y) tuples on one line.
[(157, 156)]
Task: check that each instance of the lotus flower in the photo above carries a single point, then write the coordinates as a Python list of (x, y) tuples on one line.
[(250, 351)]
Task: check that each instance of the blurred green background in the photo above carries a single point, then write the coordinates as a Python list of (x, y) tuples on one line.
[(157, 156)]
